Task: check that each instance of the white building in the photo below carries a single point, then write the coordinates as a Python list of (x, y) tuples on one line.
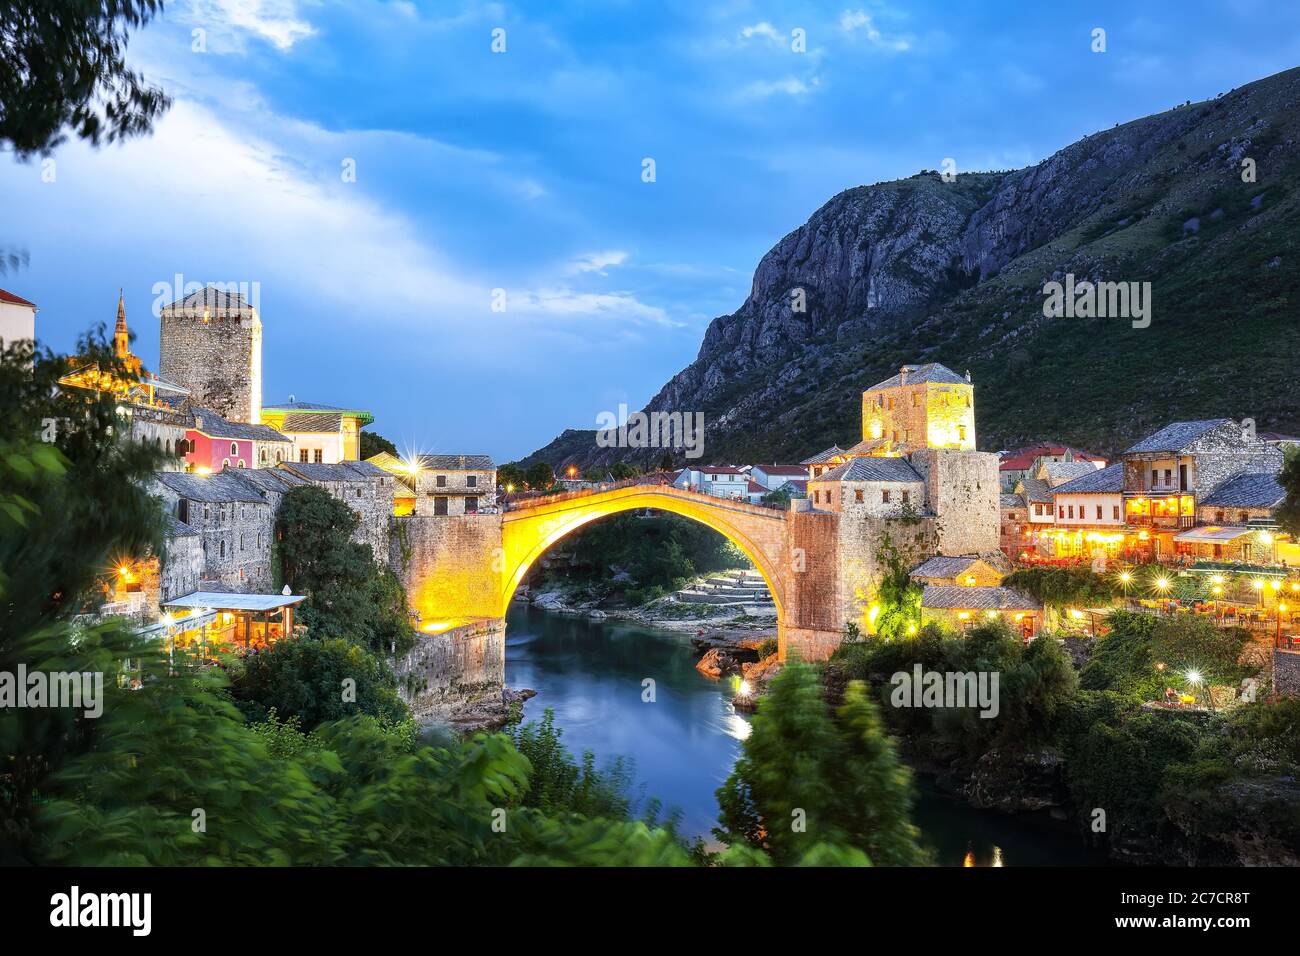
[(721, 481), (773, 477), (17, 319)]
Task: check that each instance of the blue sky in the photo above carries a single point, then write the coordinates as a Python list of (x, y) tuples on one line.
[(522, 171)]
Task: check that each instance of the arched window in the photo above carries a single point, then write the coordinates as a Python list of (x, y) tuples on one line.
[(234, 448)]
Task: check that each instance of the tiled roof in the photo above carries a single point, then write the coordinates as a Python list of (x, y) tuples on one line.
[(1059, 472), (872, 469), (1022, 459), (211, 299), (315, 423), (867, 446), (930, 372), (1036, 490), (215, 426), (313, 408), (955, 597), (754, 488), (1110, 478), (797, 485), (15, 299), (218, 487), (1177, 436), (342, 471), (835, 451), (1250, 490), (174, 527), (719, 470), (456, 462), (275, 480), (1010, 501), (941, 566)]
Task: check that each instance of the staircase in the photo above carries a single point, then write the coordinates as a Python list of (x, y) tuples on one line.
[(743, 590)]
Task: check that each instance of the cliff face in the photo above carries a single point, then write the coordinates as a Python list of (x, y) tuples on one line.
[(925, 270)]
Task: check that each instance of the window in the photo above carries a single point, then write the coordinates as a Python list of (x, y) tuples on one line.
[(891, 401), (817, 497), (961, 432), (234, 448), (471, 505), (1098, 512), (263, 456), (916, 399), (471, 481), (893, 436), (441, 481), (183, 510), (907, 497), (907, 434), (302, 455), (1114, 512), (884, 496), (358, 492), (207, 512), (440, 506), (1218, 517), (1071, 512), (1038, 509), (318, 455), (857, 496), (223, 549)]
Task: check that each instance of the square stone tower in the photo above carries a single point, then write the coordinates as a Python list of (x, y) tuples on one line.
[(211, 343), (923, 406)]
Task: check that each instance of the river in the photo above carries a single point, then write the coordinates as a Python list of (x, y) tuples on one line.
[(684, 742)]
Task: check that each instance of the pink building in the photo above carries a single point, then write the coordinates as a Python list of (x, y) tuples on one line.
[(215, 443)]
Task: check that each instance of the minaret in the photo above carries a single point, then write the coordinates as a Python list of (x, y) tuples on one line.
[(121, 337)]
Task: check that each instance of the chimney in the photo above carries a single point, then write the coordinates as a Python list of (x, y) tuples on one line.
[(1248, 429), (968, 375), (902, 375)]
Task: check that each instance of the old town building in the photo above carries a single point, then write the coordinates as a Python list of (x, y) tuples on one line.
[(211, 343)]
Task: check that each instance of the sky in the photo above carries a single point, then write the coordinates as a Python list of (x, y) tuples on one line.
[(467, 242)]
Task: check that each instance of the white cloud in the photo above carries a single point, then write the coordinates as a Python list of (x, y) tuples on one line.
[(598, 262), (607, 305), (762, 29), (275, 21), (790, 86), (857, 23)]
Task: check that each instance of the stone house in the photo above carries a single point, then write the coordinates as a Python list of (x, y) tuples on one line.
[(959, 607), (1236, 523), (321, 434), (1013, 522), (181, 567), (1166, 473), (869, 486), (1014, 466), (824, 461), (363, 487), (923, 406), (1089, 515), (235, 524), (963, 571), (454, 485)]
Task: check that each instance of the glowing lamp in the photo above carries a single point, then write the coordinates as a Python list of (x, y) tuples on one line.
[(1195, 677), (969, 579), (1162, 583), (1217, 579), (1275, 585), (744, 688), (1257, 585), (1125, 577), (963, 615), (911, 629), (1076, 614)]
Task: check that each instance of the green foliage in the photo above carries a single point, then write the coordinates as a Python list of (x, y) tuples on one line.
[(898, 596), (806, 778), (373, 443), (1126, 659), (1061, 587), (349, 595), (1288, 514), (511, 475), (780, 498), (306, 679), (63, 67), (556, 782), (539, 476)]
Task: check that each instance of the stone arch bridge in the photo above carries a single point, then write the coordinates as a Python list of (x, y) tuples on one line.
[(463, 570)]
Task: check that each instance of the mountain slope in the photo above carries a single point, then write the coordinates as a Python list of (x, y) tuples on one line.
[(922, 270)]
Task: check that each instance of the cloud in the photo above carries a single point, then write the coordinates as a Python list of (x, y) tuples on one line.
[(598, 262), (763, 29), (562, 301), (789, 86), (859, 23), (275, 21)]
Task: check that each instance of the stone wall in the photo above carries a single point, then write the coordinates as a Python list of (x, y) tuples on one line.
[(861, 543), (451, 566), (458, 665), (1286, 672), (235, 538), (163, 428), (218, 358), (962, 491), (181, 565)]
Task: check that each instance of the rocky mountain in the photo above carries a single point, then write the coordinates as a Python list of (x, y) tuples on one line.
[(1199, 201)]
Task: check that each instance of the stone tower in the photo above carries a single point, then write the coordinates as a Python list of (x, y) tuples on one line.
[(211, 343), (923, 406), (121, 335)]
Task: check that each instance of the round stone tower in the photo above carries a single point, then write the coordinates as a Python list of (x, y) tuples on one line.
[(211, 342)]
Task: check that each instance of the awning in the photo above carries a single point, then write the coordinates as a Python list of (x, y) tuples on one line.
[(1213, 535), (222, 601)]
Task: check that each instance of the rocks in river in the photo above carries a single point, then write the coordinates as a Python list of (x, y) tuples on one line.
[(487, 713), (727, 658), (1013, 782)]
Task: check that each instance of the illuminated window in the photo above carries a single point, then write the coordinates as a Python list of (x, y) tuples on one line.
[(857, 496), (961, 432), (916, 399)]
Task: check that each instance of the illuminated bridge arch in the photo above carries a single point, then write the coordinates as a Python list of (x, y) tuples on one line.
[(531, 529)]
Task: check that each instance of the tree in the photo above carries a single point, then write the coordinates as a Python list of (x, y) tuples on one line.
[(805, 779), (63, 66), (898, 597), (349, 595), (1288, 515), (372, 444), (303, 679), (539, 476), (511, 476)]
